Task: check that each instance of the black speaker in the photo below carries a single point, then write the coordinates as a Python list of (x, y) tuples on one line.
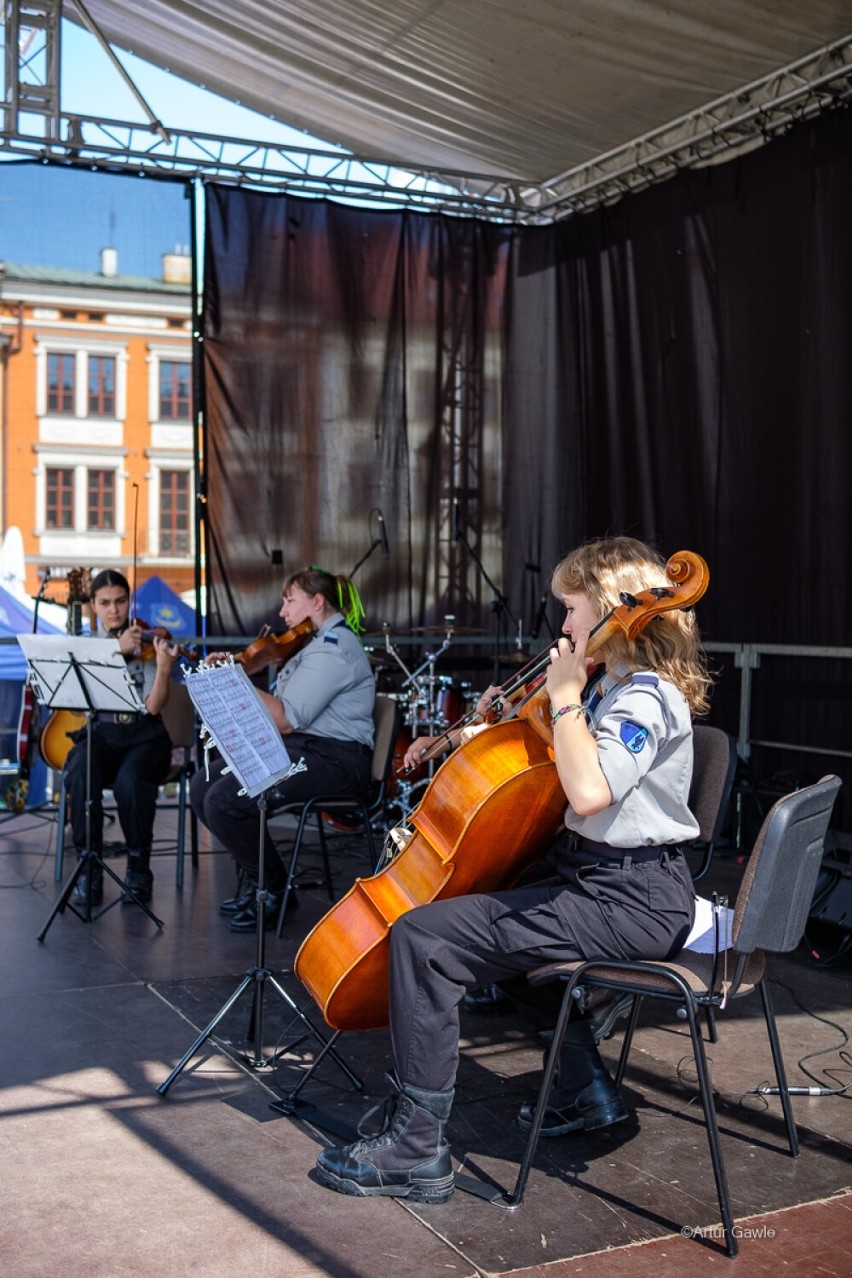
[(832, 901)]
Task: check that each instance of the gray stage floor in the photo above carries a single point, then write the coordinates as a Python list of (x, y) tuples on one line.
[(101, 1175)]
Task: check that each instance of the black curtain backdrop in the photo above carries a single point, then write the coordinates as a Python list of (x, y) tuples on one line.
[(675, 367), (351, 365)]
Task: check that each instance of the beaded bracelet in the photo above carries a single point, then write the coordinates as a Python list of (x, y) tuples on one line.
[(557, 714)]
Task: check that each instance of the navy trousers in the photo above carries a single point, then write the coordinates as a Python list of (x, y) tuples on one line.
[(331, 768), (132, 760)]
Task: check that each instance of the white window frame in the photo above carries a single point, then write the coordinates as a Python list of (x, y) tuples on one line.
[(161, 353), (53, 458), (81, 348), (163, 461)]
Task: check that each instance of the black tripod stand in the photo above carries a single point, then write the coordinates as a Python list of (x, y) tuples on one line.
[(256, 979), (499, 603), (96, 680)]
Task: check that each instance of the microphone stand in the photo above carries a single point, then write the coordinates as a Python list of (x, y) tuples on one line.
[(381, 540), (376, 543), (499, 604)]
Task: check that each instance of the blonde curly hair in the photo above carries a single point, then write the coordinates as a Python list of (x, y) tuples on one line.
[(670, 643)]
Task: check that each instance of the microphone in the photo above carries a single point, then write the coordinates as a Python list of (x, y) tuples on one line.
[(383, 534), (456, 520), (797, 1091)]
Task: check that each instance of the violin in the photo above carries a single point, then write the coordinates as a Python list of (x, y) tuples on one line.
[(148, 651), (269, 649), (490, 810)]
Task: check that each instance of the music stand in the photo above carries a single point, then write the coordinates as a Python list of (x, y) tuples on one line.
[(247, 738), (89, 676)]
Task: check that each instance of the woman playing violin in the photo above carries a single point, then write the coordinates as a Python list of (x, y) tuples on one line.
[(323, 706), (131, 753), (623, 752)]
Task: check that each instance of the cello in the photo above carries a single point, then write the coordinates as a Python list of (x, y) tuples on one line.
[(491, 809)]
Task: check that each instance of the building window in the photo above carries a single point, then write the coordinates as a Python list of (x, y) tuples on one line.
[(60, 383), (174, 391), (101, 499), (59, 504), (174, 512), (102, 386)]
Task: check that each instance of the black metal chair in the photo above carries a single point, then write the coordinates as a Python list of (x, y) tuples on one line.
[(770, 916), (179, 720), (357, 815), (715, 763)]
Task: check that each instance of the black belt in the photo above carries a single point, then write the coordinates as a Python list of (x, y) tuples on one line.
[(335, 743), (605, 852), (121, 717)]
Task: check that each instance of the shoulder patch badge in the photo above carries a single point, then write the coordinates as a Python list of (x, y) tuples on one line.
[(633, 736), (330, 637)]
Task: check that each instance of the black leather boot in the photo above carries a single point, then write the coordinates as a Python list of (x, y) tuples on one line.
[(138, 877), (245, 896), (583, 1097), (408, 1158), (246, 919), (94, 869)]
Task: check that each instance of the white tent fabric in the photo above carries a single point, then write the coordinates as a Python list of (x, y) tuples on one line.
[(480, 87)]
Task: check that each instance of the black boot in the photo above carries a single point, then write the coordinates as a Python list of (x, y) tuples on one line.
[(246, 919), (583, 1097), (94, 869), (138, 877), (245, 896), (409, 1157), (486, 999)]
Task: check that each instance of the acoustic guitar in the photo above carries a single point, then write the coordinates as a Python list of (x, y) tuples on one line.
[(54, 741)]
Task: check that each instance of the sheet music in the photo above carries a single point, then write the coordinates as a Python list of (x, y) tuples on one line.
[(242, 727), (702, 938), (97, 678)]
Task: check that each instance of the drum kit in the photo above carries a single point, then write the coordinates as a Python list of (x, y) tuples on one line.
[(431, 703)]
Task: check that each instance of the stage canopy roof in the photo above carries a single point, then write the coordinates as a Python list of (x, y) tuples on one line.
[(542, 106)]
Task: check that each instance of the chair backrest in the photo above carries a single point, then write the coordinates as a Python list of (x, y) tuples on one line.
[(179, 717), (387, 718), (715, 762), (775, 895)]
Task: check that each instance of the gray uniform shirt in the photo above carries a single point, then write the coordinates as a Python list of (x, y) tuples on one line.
[(643, 730), (142, 673), (328, 688)]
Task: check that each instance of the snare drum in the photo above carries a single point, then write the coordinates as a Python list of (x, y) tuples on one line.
[(452, 699)]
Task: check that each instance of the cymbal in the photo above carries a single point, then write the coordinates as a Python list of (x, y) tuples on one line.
[(448, 627), (379, 658)]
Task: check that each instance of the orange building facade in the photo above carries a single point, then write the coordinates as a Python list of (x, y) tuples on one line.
[(97, 421)]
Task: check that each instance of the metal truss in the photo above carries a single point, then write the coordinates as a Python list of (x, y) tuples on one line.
[(35, 126), (732, 124), (116, 146)]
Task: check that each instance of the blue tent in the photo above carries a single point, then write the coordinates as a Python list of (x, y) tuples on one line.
[(158, 605), (17, 619)]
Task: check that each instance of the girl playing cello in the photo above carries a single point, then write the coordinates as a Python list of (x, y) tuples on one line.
[(623, 751)]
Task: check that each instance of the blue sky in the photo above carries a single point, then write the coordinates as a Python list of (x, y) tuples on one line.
[(63, 217)]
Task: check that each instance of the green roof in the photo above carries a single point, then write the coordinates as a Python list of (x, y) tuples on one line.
[(87, 279)]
